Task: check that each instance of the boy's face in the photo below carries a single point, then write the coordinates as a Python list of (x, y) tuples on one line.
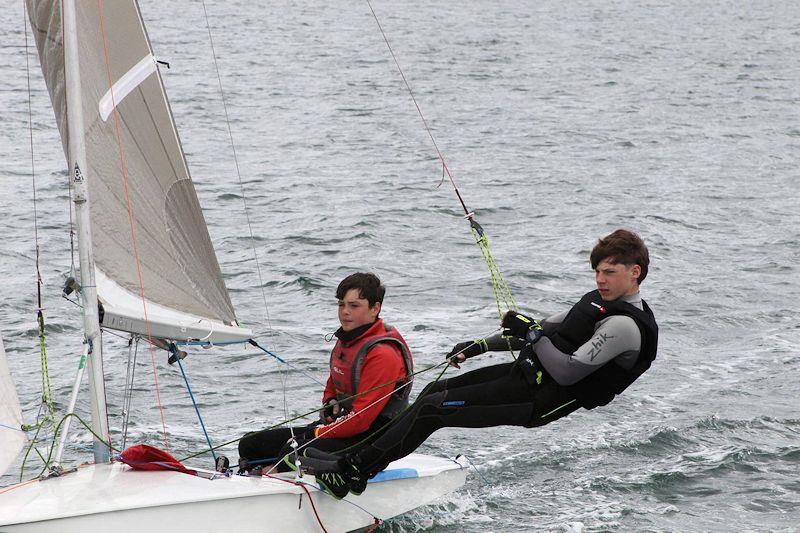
[(615, 279), (354, 311)]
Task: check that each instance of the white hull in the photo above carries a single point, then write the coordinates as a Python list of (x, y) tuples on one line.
[(112, 497)]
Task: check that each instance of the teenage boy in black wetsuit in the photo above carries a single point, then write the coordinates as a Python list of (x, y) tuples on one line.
[(581, 358)]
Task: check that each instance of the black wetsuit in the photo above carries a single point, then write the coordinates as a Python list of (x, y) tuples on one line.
[(523, 393), (268, 446)]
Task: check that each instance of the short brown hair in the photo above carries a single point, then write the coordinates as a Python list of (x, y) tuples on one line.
[(622, 246), (368, 285)]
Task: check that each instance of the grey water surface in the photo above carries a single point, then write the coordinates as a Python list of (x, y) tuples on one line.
[(560, 121)]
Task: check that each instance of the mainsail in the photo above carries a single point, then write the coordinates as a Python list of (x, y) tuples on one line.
[(12, 438), (153, 255)]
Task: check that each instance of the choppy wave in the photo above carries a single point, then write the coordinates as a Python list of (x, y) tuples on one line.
[(560, 122)]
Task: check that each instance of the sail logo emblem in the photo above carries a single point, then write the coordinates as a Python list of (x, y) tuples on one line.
[(77, 175)]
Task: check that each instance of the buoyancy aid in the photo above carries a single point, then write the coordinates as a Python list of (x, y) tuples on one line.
[(600, 387), (347, 362)]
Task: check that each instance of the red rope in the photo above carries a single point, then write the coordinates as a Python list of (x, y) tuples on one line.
[(419, 111), (33, 178), (131, 220), (18, 485), (305, 489)]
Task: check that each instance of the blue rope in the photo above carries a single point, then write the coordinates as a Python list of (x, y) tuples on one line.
[(253, 343), (287, 363), (11, 427), (485, 481), (267, 461), (188, 388)]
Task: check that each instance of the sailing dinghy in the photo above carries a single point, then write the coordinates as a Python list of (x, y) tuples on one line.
[(146, 257)]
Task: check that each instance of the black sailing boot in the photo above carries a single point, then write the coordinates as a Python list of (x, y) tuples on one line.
[(327, 464)]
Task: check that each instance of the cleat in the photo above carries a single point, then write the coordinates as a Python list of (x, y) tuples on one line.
[(222, 464)]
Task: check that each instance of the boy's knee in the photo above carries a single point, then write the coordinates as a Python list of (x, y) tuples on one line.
[(246, 446)]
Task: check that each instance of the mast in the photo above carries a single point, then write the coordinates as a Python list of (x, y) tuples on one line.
[(77, 167)]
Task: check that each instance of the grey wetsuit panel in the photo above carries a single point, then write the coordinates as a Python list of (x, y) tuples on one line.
[(615, 338)]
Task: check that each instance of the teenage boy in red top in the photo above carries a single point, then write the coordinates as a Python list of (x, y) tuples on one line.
[(371, 368)]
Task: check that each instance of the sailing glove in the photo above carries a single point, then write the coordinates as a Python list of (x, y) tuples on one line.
[(521, 326), (464, 350), (331, 410)]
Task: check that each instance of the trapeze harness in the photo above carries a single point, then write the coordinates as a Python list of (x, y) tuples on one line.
[(600, 387)]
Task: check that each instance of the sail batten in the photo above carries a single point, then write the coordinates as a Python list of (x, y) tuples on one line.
[(149, 234), (127, 83)]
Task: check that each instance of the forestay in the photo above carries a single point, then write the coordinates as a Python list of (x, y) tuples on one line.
[(145, 215)]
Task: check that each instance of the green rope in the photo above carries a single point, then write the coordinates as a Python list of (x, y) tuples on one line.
[(28, 451), (53, 443), (47, 389), (502, 293), (47, 398)]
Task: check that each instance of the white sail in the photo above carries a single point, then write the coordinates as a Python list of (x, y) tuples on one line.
[(12, 438), (156, 269)]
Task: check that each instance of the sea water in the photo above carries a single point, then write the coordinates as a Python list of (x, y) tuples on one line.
[(560, 121)]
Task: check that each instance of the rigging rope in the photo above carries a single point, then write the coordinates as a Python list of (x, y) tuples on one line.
[(316, 410), (134, 242), (384, 426), (305, 489), (287, 363), (47, 390), (347, 399), (194, 403), (57, 428), (236, 164), (502, 293), (130, 373), (246, 213)]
